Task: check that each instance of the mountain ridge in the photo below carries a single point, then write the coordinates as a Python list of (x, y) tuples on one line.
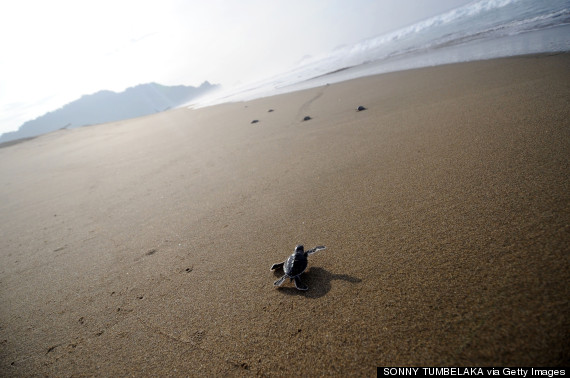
[(108, 106)]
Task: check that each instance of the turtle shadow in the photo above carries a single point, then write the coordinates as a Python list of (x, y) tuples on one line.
[(318, 280)]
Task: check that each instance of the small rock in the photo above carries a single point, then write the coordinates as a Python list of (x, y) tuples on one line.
[(306, 118), (360, 108), (255, 121)]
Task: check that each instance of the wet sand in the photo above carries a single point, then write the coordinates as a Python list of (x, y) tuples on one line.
[(143, 247)]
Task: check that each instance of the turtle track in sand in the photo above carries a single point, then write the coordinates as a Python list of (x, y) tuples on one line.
[(307, 105)]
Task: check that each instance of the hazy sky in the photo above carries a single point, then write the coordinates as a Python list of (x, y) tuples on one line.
[(52, 52)]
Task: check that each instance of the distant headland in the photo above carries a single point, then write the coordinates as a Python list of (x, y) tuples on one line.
[(107, 106)]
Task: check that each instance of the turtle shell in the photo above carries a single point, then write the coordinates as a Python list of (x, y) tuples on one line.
[(295, 264)]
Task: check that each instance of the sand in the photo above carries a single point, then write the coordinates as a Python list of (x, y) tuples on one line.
[(143, 247)]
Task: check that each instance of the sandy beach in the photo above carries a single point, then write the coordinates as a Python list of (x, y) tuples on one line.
[(143, 247)]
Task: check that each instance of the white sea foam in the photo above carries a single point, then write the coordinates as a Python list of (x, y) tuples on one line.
[(482, 29)]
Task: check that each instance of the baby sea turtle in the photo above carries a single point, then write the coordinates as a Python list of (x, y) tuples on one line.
[(307, 118), (360, 108), (295, 265)]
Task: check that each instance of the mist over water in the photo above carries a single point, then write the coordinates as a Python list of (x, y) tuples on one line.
[(482, 29)]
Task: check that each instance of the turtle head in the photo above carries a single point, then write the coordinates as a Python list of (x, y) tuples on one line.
[(299, 249)]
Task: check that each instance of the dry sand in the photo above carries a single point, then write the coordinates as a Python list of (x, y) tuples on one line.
[(143, 247)]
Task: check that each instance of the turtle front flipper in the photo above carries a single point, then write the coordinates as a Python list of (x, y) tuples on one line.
[(299, 285), (316, 249), (277, 266), (280, 281)]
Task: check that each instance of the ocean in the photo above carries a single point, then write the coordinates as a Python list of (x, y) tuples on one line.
[(482, 29)]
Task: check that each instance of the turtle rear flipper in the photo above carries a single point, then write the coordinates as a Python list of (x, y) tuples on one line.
[(277, 266), (280, 281), (299, 285)]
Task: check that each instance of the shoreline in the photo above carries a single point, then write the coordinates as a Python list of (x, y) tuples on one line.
[(307, 84), (436, 57), (143, 246)]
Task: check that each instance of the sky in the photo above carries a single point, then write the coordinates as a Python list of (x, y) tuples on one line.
[(53, 52)]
